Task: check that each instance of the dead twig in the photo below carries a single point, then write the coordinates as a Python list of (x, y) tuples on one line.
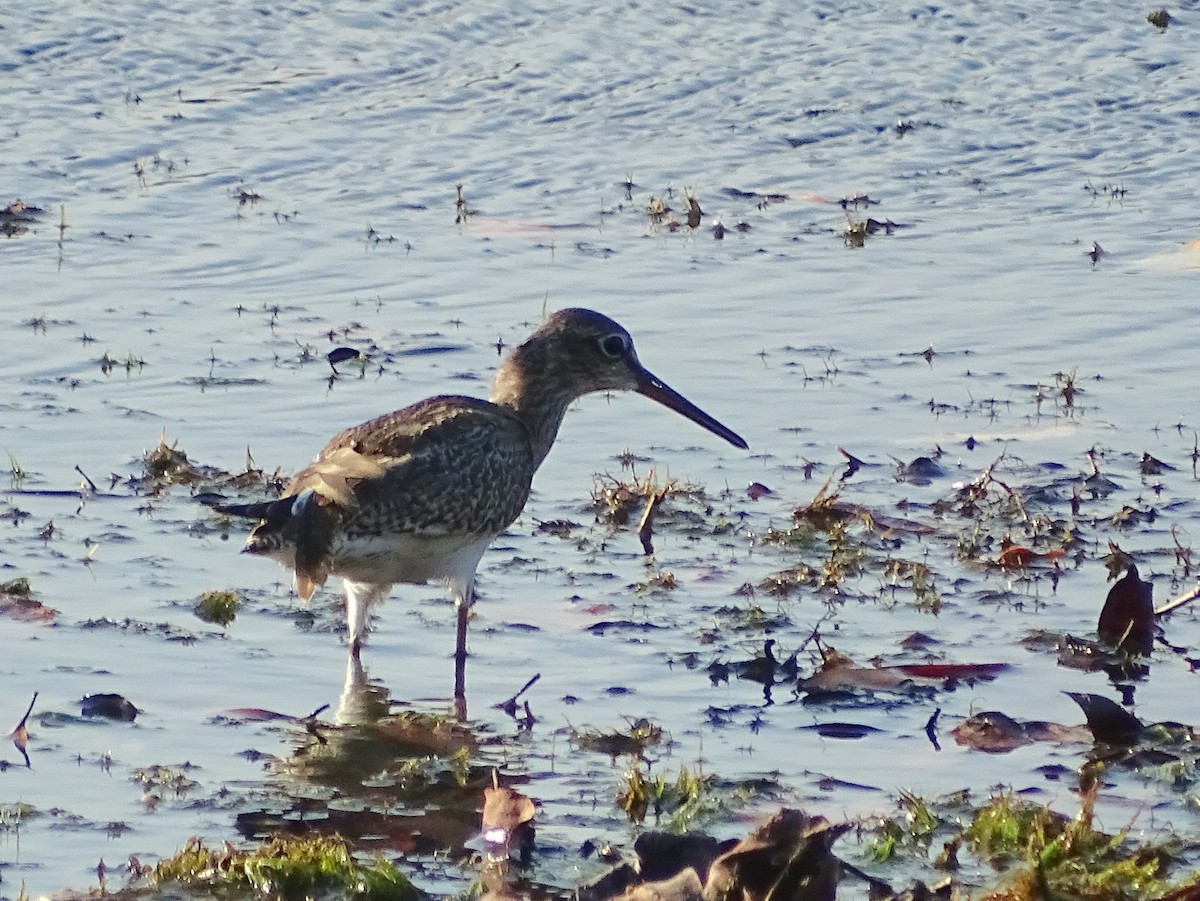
[(1173, 605), (510, 706), (646, 524), (20, 735)]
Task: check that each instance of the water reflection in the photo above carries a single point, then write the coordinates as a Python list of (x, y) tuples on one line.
[(362, 702), (403, 780)]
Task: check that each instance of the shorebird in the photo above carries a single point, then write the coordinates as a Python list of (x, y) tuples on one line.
[(418, 494)]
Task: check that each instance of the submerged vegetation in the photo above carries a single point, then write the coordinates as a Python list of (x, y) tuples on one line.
[(166, 464), (218, 607), (1016, 850), (284, 867), (692, 800)]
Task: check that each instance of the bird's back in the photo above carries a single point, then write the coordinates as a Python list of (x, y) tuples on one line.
[(408, 490)]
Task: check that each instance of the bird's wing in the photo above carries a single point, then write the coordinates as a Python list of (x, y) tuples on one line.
[(447, 465)]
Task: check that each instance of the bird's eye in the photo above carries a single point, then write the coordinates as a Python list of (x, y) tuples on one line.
[(614, 346)]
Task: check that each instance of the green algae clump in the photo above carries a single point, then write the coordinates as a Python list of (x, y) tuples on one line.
[(285, 867)]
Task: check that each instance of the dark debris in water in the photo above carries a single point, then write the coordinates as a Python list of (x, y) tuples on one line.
[(129, 364), (1111, 736), (858, 230), (159, 781), (164, 630), (345, 354), (17, 217), (633, 741), (1127, 617), (109, 706), (787, 857), (921, 470), (559, 528), (19, 736), (167, 464)]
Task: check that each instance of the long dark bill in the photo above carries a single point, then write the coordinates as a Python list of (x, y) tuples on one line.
[(655, 388)]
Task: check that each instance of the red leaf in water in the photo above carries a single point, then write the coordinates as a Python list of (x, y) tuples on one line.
[(1014, 556), (842, 674), (953, 670), (25, 609), (1127, 619), (597, 609)]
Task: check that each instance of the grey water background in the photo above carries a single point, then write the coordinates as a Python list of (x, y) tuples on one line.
[(978, 126)]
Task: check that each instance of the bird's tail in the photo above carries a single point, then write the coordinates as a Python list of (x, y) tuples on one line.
[(274, 510), (295, 530), (217, 502)]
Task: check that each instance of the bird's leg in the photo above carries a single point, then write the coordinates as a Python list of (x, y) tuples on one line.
[(360, 598), (463, 599)]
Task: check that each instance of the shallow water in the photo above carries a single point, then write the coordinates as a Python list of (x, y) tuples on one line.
[(353, 125)]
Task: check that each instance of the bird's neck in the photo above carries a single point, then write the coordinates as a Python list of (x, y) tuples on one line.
[(526, 384)]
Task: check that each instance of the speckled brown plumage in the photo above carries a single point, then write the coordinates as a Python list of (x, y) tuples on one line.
[(447, 465), (419, 493)]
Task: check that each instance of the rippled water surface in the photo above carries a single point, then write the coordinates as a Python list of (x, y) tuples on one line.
[(231, 190)]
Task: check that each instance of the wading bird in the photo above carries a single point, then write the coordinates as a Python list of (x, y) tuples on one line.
[(418, 494)]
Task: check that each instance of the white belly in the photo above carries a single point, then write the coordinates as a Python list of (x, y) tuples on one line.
[(414, 559)]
